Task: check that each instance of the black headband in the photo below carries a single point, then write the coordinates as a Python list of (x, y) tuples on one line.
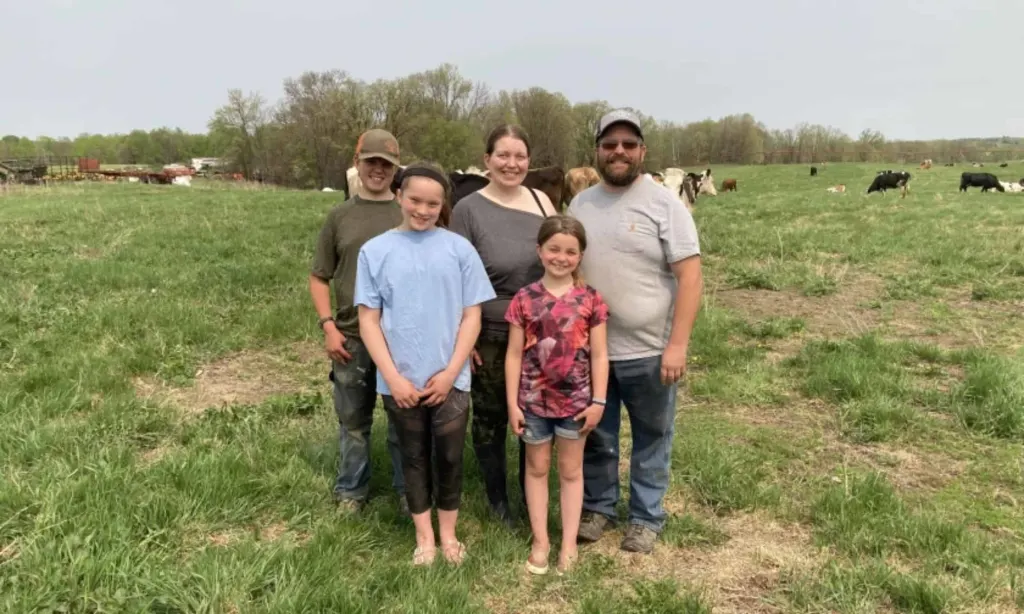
[(423, 171)]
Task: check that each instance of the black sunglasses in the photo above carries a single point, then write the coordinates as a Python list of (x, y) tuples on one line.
[(627, 144)]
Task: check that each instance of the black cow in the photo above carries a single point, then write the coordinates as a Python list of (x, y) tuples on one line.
[(549, 179), (814, 171), (1003, 165), (888, 180), (985, 181), (464, 184)]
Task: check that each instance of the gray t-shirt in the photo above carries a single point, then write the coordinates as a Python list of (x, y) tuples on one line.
[(632, 238), (506, 240)]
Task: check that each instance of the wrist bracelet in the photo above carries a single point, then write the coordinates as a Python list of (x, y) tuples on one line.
[(320, 323), (600, 402)]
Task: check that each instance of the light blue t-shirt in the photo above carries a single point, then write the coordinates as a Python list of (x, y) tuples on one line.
[(421, 281)]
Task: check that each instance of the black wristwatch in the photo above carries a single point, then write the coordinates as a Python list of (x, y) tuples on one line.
[(323, 321)]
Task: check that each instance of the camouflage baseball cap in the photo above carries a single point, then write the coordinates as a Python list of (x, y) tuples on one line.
[(377, 143)]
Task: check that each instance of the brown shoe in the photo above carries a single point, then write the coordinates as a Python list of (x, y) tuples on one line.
[(639, 539), (592, 527), (350, 507)]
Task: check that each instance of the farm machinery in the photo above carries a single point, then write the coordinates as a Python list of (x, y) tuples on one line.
[(22, 171)]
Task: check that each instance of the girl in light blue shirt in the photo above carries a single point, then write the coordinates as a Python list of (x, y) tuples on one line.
[(418, 290)]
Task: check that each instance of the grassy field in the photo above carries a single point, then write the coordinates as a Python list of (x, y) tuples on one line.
[(850, 438)]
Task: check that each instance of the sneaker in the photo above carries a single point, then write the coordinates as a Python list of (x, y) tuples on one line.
[(592, 527), (639, 539)]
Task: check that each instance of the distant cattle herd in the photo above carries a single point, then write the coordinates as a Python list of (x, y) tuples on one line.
[(561, 186)]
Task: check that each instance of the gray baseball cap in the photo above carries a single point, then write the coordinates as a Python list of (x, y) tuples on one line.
[(618, 116)]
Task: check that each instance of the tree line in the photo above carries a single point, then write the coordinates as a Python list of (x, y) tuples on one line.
[(306, 139)]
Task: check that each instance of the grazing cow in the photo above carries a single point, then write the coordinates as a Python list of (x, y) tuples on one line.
[(948, 164), (673, 179), (703, 183), (1014, 187), (579, 179), (985, 181), (474, 171), (890, 181), (1003, 165), (927, 164), (814, 171), (682, 185), (729, 185), (837, 188)]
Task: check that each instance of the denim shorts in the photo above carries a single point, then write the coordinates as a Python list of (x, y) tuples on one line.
[(541, 430)]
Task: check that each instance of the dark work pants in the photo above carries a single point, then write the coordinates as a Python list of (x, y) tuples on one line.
[(490, 419), (426, 433)]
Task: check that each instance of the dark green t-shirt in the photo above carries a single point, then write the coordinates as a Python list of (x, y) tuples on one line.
[(347, 227)]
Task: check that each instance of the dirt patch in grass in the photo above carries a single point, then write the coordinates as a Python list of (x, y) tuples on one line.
[(248, 377), (735, 576), (843, 313), (9, 552), (907, 468), (954, 320), (152, 456), (271, 533), (801, 416)]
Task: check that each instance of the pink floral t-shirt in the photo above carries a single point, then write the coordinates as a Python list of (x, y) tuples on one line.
[(555, 379)]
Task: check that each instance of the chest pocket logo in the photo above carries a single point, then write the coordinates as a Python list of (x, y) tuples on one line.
[(633, 233)]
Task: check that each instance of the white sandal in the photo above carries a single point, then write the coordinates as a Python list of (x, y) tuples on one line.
[(423, 556), (537, 570)]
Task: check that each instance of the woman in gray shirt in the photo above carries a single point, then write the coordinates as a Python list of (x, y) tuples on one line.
[(501, 220)]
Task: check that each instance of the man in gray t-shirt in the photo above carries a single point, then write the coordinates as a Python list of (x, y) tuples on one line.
[(643, 256)]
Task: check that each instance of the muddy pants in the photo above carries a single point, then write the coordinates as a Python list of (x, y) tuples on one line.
[(432, 432), (355, 396), (490, 419)]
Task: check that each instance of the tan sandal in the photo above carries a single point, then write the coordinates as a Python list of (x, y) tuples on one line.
[(423, 556), (459, 548), (537, 570)]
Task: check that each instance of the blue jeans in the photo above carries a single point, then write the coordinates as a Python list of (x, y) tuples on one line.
[(355, 396), (652, 409), (539, 429)]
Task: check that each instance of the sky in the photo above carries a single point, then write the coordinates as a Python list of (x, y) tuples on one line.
[(912, 69)]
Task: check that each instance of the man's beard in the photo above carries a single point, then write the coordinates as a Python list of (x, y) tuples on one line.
[(627, 177)]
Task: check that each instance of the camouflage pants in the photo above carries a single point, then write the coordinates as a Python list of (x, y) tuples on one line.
[(490, 419)]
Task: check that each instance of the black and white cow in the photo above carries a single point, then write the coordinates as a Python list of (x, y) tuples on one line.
[(890, 180)]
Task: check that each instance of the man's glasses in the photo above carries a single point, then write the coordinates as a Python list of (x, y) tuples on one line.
[(627, 144)]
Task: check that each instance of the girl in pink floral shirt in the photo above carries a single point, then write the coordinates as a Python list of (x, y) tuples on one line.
[(556, 376)]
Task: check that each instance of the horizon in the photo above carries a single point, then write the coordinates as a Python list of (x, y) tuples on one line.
[(851, 68)]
